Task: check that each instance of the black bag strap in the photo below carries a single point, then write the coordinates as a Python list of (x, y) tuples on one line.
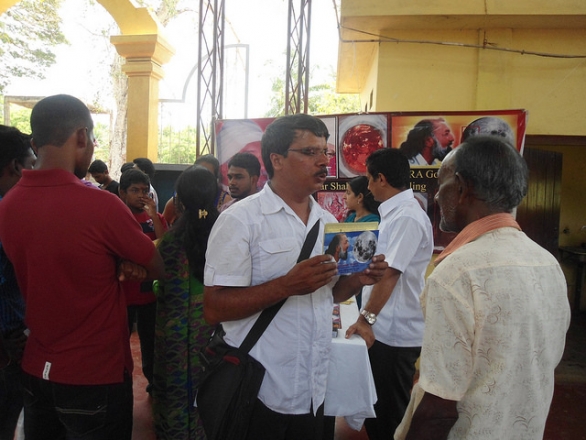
[(269, 313)]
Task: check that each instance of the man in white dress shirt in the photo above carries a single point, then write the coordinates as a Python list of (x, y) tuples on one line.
[(251, 265), (391, 321)]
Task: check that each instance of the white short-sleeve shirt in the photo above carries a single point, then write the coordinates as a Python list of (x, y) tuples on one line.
[(257, 240), (406, 239)]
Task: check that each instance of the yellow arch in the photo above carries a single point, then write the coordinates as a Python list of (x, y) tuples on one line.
[(145, 51), (130, 19)]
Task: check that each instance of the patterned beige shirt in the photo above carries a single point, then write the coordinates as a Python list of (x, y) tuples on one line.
[(496, 314)]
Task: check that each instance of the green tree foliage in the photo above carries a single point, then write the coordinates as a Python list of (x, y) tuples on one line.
[(28, 32), (21, 119), (102, 135), (177, 146), (323, 99)]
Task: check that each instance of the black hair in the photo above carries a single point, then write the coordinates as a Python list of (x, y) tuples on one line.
[(196, 190), (14, 145), (126, 166), (415, 142), (283, 131), (133, 176), (392, 164), (55, 118), (145, 165), (359, 185), (98, 166), (495, 169), (248, 161), (212, 160)]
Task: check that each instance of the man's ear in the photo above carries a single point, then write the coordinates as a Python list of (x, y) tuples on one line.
[(254, 181), (276, 160), (465, 190), (382, 179), (81, 138), (14, 168)]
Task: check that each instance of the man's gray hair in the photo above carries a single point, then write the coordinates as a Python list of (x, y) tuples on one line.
[(495, 169)]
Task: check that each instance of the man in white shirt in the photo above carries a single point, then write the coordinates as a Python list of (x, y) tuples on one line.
[(496, 309), (251, 265), (391, 321)]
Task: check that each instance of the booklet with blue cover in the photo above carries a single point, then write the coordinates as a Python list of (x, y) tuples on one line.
[(351, 244)]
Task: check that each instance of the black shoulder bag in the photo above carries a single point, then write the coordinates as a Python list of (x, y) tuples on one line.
[(231, 378)]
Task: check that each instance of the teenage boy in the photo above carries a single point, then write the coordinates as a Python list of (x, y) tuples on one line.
[(140, 299), (99, 171)]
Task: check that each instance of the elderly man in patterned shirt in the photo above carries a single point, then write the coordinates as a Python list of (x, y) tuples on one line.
[(496, 308)]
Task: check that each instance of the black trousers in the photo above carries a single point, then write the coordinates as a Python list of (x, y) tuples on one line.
[(266, 424), (77, 412), (393, 369), (145, 316)]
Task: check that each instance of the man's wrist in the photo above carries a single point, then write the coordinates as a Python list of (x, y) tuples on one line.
[(369, 317)]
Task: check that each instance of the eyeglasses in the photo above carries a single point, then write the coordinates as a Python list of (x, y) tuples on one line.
[(310, 151)]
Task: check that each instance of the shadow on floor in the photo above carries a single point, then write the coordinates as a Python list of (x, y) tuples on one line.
[(565, 421)]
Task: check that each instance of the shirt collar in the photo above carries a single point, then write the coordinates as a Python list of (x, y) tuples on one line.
[(51, 177), (271, 203), (390, 204)]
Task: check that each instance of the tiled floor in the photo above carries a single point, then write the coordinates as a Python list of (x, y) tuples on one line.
[(566, 421)]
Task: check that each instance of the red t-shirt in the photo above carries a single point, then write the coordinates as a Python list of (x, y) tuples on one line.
[(65, 240), (142, 293)]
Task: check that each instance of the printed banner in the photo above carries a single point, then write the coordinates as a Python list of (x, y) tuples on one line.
[(424, 137)]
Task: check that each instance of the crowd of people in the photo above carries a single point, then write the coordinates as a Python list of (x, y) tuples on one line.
[(78, 264)]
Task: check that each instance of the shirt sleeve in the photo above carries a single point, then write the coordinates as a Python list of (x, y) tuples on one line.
[(124, 236), (228, 258)]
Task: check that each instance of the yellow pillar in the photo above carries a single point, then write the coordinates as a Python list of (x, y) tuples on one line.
[(144, 54)]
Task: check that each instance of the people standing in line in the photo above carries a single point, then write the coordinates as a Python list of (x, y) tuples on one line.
[(496, 308), (252, 265), (243, 175), (181, 331), (69, 257), (99, 171), (140, 299), (391, 321), (16, 155), (146, 166)]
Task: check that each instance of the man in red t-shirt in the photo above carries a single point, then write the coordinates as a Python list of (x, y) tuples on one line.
[(134, 190), (69, 257)]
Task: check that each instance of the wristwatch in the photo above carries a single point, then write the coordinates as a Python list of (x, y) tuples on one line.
[(369, 316)]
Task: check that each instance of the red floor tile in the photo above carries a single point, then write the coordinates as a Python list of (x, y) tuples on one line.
[(142, 426)]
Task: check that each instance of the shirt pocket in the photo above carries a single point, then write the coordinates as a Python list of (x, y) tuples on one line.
[(277, 257)]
